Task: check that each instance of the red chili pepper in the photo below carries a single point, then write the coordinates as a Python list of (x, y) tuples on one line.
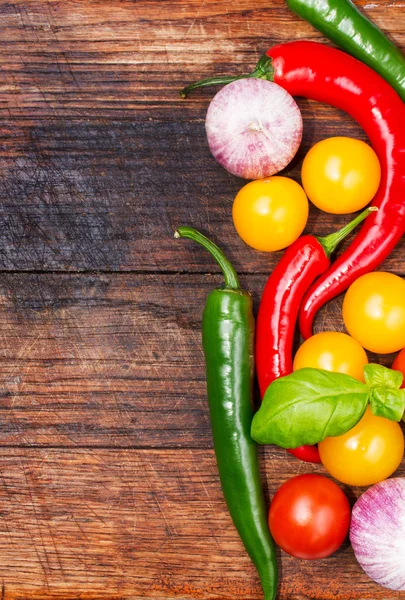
[(325, 74), (301, 263), (306, 453), (299, 266), (328, 75)]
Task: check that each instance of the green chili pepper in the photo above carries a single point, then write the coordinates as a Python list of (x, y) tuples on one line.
[(344, 24), (228, 332)]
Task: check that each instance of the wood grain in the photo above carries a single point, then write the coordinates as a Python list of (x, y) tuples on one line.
[(105, 361), (143, 524), (108, 483), (109, 360), (95, 141)]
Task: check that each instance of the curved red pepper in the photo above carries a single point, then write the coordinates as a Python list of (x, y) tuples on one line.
[(299, 266), (307, 453), (301, 263), (328, 75)]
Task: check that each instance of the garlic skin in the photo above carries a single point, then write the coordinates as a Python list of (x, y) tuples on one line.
[(254, 128), (377, 533)]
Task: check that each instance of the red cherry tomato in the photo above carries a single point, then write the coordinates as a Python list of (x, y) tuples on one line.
[(399, 364), (309, 516), (307, 453)]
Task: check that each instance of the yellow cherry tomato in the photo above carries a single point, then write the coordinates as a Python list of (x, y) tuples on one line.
[(332, 351), (366, 454), (374, 312), (341, 175), (270, 214)]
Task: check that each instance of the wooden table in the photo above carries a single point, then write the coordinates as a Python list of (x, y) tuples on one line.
[(108, 483)]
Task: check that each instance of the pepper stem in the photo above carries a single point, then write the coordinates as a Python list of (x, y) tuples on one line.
[(330, 242), (263, 70), (231, 278)]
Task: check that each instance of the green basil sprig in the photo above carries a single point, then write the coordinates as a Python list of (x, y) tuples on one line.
[(311, 404), (386, 399)]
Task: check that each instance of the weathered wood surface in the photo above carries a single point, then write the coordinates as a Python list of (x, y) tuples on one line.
[(142, 524), (107, 360), (95, 141), (108, 483)]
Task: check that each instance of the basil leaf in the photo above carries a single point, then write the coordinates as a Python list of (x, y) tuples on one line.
[(387, 403), (307, 406), (381, 377)]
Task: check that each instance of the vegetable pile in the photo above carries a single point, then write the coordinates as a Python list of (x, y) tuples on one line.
[(325, 403)]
